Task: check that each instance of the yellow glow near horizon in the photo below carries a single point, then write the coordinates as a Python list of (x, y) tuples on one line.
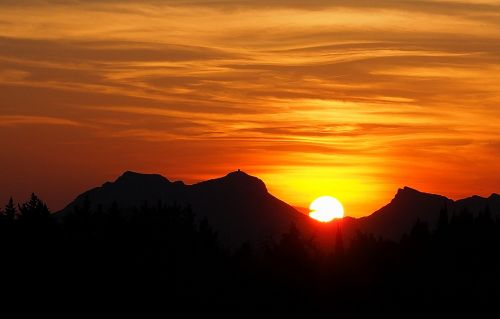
[(355, 187), (326, 209)]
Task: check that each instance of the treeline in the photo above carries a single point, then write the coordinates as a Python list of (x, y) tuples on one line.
[(158, 258)]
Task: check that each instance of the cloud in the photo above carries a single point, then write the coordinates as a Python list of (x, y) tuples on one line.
[(12, 75), (14, 120), (104, 51), (454, 6)]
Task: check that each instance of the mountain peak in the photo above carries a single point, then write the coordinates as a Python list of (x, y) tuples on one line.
[(239, 174), (411, 193), (407, 191), (241, 177), (238, 180), (134, 177)]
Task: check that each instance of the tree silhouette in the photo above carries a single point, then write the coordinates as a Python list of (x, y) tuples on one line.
[(10, 210), (34, 210), (162, 257)]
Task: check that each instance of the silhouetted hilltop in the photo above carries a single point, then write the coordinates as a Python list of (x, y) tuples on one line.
[(235, 181), (400, 214), (476, 203), (410, 205), (130, 190), (238, 206), (145, 179)]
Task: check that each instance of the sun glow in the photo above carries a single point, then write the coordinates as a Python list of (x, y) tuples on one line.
[(326, 208)]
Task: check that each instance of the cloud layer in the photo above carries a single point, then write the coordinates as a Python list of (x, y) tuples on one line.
[(347, 98)]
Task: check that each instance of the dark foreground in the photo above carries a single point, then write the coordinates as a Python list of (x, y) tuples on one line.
[(159, 262)]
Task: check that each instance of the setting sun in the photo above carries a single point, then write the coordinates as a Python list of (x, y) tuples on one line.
[(326, 208)]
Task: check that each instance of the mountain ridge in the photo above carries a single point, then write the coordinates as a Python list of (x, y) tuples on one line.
[(241, 208), (237, 205)]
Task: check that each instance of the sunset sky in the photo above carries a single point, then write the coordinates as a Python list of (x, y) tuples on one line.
[(352, 99)]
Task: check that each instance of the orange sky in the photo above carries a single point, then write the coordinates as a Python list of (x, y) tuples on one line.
[(347, 98)]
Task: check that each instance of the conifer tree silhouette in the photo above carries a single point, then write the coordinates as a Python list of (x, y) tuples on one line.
[(10, 210), (132, 253), (34, 210)]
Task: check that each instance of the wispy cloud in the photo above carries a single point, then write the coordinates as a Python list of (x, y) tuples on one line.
[(11, 120)]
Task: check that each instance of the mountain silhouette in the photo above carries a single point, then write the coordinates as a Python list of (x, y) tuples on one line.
[(410, 205), (238, 206), (476, 204), (397, 217)]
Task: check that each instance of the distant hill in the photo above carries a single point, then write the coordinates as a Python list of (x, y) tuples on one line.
[(410, 205), (240, 208), (477, 203)]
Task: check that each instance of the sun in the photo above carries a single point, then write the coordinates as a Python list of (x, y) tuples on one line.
[(326, 208)]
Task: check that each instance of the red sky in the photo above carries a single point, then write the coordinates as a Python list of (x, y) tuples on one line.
[(345, 98)]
